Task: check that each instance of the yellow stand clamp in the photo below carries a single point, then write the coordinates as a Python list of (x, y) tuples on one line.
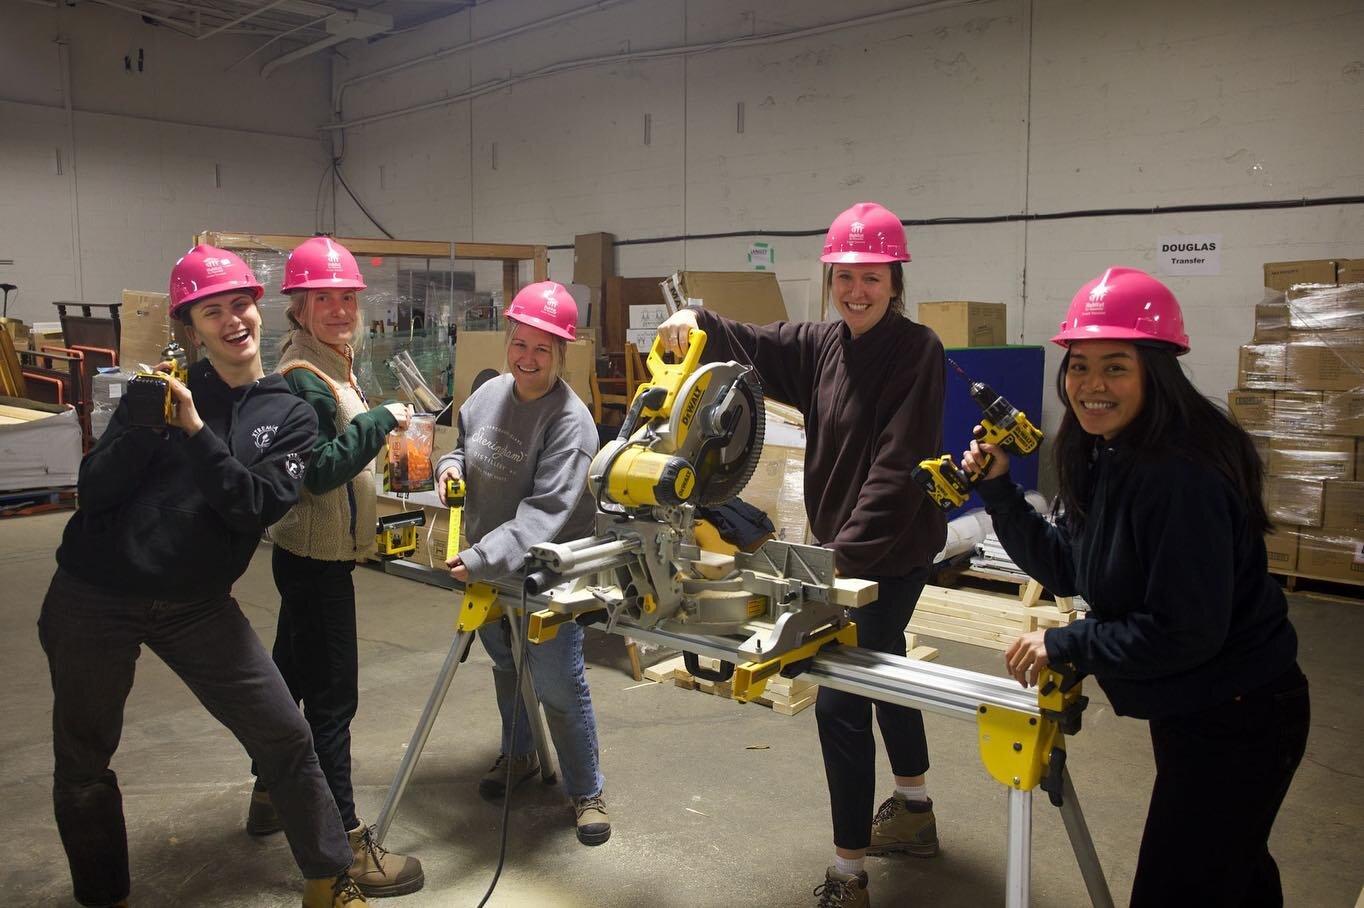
[(479, 607), (545, 624), (454, 497), (1018, 749), (751, 678)]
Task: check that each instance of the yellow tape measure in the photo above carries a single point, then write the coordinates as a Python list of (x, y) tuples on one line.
[(454, 497)]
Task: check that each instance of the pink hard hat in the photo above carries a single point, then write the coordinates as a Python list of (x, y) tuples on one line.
[(207, 271), (320, 263), (1124, 304), (865, 234), (548, 306)]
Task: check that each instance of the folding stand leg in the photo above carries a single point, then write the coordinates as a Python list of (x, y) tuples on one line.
[(458, 650), (1083, 845), (1018, 884), (549, 765)]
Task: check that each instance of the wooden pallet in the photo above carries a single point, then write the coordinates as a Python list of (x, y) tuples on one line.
[(983, 619), (787, 696)]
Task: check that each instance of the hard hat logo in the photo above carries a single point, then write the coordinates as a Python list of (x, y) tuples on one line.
[(857, 233)]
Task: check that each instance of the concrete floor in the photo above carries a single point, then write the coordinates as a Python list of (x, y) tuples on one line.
[(713, 802)]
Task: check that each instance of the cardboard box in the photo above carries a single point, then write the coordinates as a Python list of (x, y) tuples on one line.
[(1282, 275), (1294, 502), (1271, 322), (1250, 408), (1325, 307), (1331, 555), (1299, 413), (961, 323), (1322, 457), (1323, 367), (145, 330), (1261, 366), (594, 258), (1261, 441), (777, 487), (481, 355), (1350, 271), (17, 330), (1281, 547), (745, 296), (1343, 413), (1343, 506)]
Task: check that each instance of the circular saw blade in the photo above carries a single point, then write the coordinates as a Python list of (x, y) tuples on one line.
[(725, 462)]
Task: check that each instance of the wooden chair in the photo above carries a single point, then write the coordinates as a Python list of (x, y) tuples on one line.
[(619, 390)]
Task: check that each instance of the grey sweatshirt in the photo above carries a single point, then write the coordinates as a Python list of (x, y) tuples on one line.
[(525, 468)]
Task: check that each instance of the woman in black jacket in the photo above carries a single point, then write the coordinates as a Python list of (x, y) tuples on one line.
[(1162, 531), (169, 518)]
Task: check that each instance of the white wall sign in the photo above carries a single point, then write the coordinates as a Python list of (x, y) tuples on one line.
[(1200, 254), (761, 256)]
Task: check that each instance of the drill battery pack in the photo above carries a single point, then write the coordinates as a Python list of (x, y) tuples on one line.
[(148, 399)]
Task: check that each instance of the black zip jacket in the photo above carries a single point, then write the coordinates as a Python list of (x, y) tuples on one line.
[(1184, 613), (873, 408), (178, 518)]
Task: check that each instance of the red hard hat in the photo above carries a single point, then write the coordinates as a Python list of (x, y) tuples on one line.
[(1124, 304), (208, 271), (320, 263), (548, 306), (865, 234)]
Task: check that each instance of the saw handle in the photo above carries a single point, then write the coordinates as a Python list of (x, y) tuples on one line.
[(671, 375), (720, 675)]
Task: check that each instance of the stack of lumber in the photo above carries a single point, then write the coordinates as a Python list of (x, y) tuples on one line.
[(786, 696), (984, 619)]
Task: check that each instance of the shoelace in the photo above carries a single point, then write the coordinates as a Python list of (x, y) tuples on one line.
[(832, 893), (345, 891), (377, 852), (888, 809), (593, 802)]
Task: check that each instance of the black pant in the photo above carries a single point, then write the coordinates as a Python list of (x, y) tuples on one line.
[(92, 639), (1221, 775), (844, 719), (315, 649)]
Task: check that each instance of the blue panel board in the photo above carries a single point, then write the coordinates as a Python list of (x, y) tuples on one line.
[(1016, 373)]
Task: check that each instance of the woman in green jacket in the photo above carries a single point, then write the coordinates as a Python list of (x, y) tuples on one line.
[(317, 544)]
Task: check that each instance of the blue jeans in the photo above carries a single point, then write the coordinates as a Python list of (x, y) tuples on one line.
[(556, 666)]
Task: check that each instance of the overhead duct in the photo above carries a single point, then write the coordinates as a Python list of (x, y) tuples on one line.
[(340, 26)]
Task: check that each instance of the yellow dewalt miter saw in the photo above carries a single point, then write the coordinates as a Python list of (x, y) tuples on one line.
[(692, 437)]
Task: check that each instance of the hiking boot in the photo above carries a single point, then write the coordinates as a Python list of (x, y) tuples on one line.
[(379, 872), (843, 890), (493, 785), (594, 826), (261, 818), (337, 892), (901, 827)]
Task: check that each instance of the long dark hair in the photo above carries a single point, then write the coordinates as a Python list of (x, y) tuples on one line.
[(1174, 416)]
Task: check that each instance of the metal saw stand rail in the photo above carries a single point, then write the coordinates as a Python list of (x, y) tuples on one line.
[(1021, 733)]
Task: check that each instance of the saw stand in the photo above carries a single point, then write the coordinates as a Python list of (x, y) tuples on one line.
[(480, 607), (1021, 733)]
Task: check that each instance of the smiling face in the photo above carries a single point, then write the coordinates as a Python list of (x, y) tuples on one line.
[(531, 361), (861, 294), (1105, 385), (228, 325), (331, 316)]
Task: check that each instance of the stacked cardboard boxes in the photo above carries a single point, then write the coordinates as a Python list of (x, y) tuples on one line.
[(1300, 393)]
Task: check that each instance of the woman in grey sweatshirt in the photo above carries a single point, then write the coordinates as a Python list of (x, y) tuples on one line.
[(525, 443)]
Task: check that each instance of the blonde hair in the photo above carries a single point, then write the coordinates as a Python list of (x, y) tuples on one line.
[(300, 311), (558, 351)]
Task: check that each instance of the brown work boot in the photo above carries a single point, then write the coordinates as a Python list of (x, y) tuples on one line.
[(594, 826), (493, 785), (901, 827), (261, 818), (379, 872), (335, 892), (843, 890)]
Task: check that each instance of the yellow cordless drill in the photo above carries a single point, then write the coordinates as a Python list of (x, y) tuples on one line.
[(1001, 425), (150, 403)]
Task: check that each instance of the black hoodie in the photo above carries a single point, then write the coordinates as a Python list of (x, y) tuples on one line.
[(178, 518), (1184, 614)]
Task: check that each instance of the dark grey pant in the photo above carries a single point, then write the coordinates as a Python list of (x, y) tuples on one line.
[(92, 640)]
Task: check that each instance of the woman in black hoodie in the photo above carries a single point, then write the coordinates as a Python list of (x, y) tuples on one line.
[(1162, 531), (169, 518)]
